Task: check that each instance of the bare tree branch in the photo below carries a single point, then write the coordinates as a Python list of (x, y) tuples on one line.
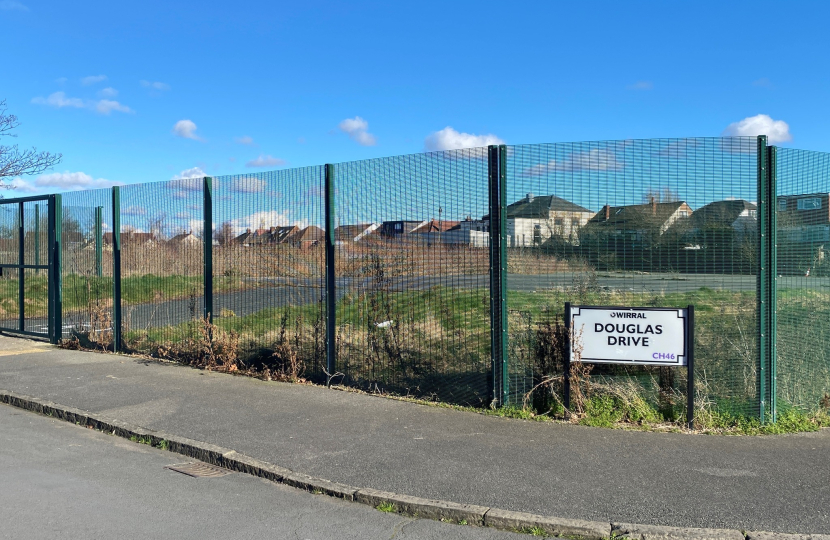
[(17, 162)]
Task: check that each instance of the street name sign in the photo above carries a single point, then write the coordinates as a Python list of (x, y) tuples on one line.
[(630, 335)]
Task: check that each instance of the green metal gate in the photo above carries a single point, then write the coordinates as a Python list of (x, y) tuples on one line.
[(30, 266)]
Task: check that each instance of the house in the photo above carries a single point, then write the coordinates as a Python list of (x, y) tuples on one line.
[(533, 220), (185, 239), (737, 215), (307, 238), (804, 218), (394, 229), (354, 233), (636, 224), (245, 239), (129, 237)]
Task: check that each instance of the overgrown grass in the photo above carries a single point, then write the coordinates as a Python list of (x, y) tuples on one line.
[(78, 290)]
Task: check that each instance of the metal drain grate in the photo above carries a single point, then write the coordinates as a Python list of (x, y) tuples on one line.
[(199, 469)]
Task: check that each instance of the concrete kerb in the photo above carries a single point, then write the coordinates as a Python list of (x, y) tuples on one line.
[(405, 504)]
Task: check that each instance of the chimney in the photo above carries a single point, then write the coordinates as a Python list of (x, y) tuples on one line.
[(247, 231), (607, 212), (653, 206), (529, 197), (272, 229)]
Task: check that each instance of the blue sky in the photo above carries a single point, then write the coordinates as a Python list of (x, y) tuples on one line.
[(144, 91)]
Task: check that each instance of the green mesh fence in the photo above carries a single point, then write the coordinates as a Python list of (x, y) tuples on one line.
[(803, 282), (162, 261), (412, 268), (269, 267), (660, 222), (86, 252)]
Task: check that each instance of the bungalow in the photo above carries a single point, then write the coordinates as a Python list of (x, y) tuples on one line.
[(394, 229), (307, 238), (354, 233), (737, 215), (635, 224), (533, 220), (804, 218), (185, 239), (129, 237)]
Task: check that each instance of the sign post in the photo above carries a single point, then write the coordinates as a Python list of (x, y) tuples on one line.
[(632, 335)]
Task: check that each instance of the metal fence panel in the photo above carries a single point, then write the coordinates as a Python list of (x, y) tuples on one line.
[(803, 238), (659, 222), (162, 283), (87, 294), (412, 269), (269, 268)]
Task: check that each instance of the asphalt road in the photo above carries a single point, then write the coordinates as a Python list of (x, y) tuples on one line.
[(774, 483), (63, 481), (274, 293)]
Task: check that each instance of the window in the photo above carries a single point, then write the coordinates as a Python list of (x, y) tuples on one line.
[(813, 203), (684, 213), (782, 205), (575, 223), (398, 226), (537, 234), (558, 221)]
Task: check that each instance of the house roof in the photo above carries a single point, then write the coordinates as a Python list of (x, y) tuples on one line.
[(131, 237), (540, 207), (635, 215), (349, 232), (721, 212), (434, 225), (312, 233), (182, 236)]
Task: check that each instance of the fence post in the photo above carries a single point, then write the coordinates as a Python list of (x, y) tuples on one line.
[(762, 281), (37, 238), (497, 173), (55, 219), (207, 241), (772, 331), (331, 293), (116, 269), (21, 273), (99, 248)]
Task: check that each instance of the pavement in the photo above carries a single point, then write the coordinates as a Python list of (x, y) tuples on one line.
[(772, 483)]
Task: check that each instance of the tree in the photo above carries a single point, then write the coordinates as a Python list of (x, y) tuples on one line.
[(17, 162)]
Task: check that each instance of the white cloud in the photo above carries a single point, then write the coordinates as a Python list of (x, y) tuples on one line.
[(265, 161), (596, 159), (93, 79), (248, 184), (108, 92), (12, 5), (160, 86), (59, 100), (245, 140), (193, 172), (641, 85), (186, 129), (358, 130), (777, 131), (450, 139), (106, 106), (65, 181), (134, 211)]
